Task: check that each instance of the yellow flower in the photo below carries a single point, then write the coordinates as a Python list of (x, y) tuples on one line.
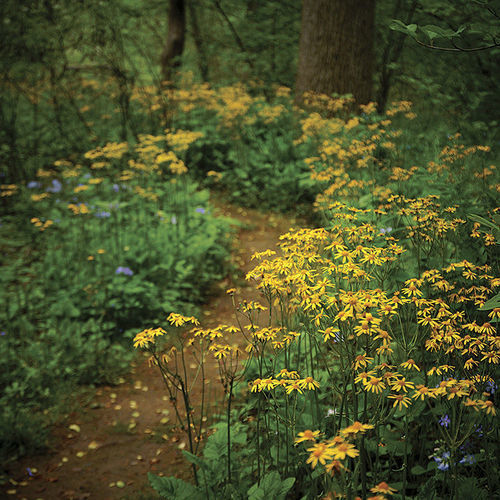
[(492, 357), (256, 387), (361, 361), (421, 391), (343, 450), (383, 488), (487, 406), (179, 320), (410, 364), (293, 385), (402, 383), (268, 384), (363, 377), (400, 400), (307, 435), (375, 384), (355, 428), (320, 452), (309, 383)]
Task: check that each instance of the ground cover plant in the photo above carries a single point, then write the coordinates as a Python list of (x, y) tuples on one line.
[(95, 248)]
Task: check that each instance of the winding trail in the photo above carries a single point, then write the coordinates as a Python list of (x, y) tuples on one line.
[(105, 448)]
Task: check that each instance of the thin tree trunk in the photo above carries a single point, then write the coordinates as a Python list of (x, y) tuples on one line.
[(198, 41), (170, 58), (336, 48), (391, 55)]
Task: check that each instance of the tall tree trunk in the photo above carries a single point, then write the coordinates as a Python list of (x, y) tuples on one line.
[(336, 48), (170, 58)]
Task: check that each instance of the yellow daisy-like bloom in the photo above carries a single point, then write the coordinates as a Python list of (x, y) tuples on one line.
[(471, 402), (457, 391), (400, 400), (256, 387), (487, 406), (421, 391), (293, 385), (320, 452), (383, 488), (334, 467), (410, 364), (268, 384), (309, 383), (179, 320), (492, 357), (343, 450), (363, 377), (361, 361), (307, 435), (402, 384), (355, 428), (144, 338), (375, 384)]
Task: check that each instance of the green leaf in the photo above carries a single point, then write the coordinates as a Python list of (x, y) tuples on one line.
[(418, 470), (271, 486), (410, 29), (172, 488), (491, 304), (195, 460)]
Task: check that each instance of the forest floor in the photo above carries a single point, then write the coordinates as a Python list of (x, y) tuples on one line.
[(104, 449)]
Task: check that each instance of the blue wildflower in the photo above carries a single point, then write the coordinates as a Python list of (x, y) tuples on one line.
[(491, 387), (173, 220), (385, 230), (116, 188), (124, 270), (102, 214), (444, 421), (200, 210), (33, 184), (55, 187), (443, 461), (468, 460)]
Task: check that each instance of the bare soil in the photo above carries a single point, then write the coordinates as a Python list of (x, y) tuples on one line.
[(105, 449)]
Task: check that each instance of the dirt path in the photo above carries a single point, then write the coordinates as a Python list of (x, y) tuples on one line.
[(104, 450)]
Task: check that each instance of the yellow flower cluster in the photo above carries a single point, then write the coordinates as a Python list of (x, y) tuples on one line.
[(329, 452), (112, 150), (40, 224), (8, 189), (180, 140)]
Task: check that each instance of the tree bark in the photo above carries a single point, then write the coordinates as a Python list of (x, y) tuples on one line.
[(336, 48), (170, 58)]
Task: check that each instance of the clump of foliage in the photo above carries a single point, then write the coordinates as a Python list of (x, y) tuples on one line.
[(95, 249)]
